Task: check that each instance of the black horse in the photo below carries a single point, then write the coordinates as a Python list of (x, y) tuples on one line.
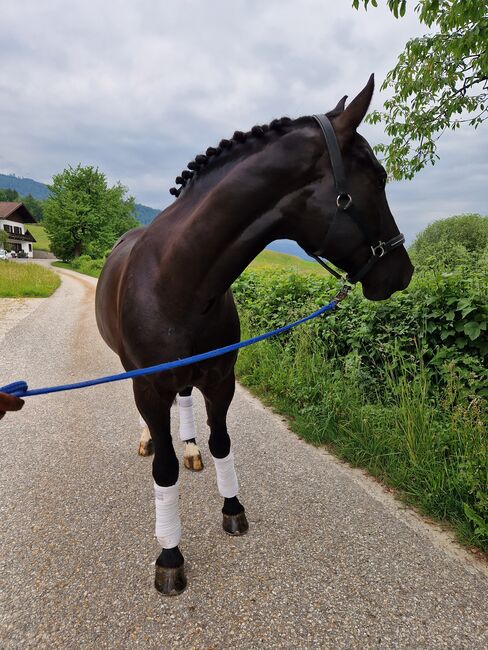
[(164, 291)]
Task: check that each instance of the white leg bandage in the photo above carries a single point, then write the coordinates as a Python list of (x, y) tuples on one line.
[(168, 524), (187, 419), (226, 476)]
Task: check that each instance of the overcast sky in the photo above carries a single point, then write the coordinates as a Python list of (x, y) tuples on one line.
[(138, 88)]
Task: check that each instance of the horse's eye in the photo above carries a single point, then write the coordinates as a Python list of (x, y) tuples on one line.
[(382, 182)]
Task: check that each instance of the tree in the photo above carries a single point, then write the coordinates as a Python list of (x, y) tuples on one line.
[(84, 215), (9, 195), (461, 240), (440, 81), (35, 206)]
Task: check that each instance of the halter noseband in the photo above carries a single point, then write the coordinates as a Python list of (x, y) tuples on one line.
[(344, 202)]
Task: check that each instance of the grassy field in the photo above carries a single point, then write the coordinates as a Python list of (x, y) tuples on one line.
[(39, 234), (26, 280), (272, 259)]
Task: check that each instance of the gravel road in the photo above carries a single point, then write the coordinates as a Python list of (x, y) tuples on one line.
[(330, 561)]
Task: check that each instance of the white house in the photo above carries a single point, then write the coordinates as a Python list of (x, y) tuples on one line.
[(13, 217)]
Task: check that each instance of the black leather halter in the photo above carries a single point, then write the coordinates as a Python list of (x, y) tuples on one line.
[(345, 203)]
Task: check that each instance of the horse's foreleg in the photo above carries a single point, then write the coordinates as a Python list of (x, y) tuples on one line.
[(154, 408), (217, 401), (192, 458)]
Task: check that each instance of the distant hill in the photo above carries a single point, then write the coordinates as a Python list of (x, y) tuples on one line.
[(288, 247), (24, 186)]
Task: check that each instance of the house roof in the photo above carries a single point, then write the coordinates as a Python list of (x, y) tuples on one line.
[(14, 211)]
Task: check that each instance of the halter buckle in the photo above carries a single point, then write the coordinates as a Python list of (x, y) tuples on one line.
[(379, 249), (343, 201)]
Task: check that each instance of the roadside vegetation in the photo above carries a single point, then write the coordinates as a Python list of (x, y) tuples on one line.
[(399, 387), (83, 264), (26, 280)]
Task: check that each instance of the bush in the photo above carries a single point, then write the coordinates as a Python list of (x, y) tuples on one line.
[(440, 321), (449, 243)]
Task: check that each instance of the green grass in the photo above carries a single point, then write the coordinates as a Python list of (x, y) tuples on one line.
[(430, 446), (86, 268), (26, 280), (272, 259), (39, 234)]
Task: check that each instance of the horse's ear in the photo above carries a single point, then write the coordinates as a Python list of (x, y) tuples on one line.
[(350, 118), (340, 106)]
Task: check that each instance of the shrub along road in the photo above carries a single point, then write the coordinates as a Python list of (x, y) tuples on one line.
[(330, 559)]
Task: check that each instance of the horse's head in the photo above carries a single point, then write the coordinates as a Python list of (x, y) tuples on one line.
[(348, 232)]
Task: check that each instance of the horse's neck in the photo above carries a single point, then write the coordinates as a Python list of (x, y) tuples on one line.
[(216, 234)]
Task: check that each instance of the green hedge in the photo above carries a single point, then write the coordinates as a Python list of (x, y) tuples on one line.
[(441, 321)]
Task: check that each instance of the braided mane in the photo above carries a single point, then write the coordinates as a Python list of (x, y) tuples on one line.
[(202, 160)]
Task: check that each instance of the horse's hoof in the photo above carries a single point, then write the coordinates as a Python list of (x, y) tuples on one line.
[(235, 524), (192, 458), (170, 582), (146, 448)]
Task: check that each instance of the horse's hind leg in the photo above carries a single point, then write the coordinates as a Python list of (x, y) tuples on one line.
[(192, 458), (154, 407), (217, 401)]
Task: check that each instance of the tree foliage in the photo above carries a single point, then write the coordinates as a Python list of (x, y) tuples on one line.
[(85, 216), (445, 244), (9, 195), (35, 207), (440, 81)]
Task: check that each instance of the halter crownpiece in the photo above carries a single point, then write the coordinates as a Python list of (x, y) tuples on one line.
[(345, 203)]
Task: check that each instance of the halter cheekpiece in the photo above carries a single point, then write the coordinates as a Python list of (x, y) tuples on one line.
[(345, 203)]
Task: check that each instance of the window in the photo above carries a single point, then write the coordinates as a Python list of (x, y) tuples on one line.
[(30, 248), (17, 230)]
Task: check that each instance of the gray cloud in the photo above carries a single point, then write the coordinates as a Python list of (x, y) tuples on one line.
[(139, 88)]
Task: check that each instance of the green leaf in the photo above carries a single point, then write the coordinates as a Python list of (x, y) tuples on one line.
[(472, 329), (481, 526)]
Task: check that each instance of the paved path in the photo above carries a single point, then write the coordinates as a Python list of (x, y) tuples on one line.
[(330, 560)]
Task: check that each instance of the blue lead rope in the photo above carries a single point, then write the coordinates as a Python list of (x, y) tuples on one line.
[(20, 388)]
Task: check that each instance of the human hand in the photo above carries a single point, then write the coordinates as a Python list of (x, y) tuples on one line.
[(9, 403)]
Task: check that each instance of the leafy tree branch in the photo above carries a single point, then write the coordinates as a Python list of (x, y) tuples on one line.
[(440, 81)]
